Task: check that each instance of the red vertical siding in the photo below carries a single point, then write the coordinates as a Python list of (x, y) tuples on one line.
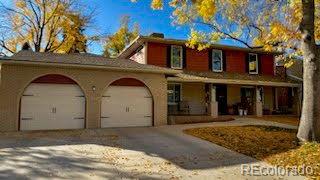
[(197, 60), (157, 54), (54, 79), (267, 64), (235, 61), (127, 82)]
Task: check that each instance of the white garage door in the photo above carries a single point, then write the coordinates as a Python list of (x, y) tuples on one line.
[(52, 106), (125, 106)]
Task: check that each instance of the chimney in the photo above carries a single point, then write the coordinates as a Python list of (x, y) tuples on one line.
[(26, 46), (157, 35)]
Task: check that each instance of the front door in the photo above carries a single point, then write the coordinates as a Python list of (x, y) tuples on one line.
[(247, 99), (221, 96)]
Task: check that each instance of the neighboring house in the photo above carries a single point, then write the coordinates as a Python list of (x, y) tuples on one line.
[(221, 80), (293, 72), (44, 91)]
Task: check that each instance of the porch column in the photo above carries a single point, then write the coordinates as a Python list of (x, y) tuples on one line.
[(213, 105), (259, 103)]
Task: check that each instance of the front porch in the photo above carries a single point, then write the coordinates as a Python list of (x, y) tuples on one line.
[(209, 102)]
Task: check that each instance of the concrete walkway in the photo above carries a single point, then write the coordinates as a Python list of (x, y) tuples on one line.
[(122, 153)]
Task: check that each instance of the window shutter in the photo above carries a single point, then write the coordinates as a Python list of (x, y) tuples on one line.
[(210, 59), (184, 57), (169, 56), (247, 63), (224, 61), (259, 64)]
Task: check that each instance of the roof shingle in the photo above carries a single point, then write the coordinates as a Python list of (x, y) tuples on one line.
[(82, 59)]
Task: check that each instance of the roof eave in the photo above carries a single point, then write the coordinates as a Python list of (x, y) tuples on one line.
[(126, 52), (234, 81), (85, 66), (142, 39)]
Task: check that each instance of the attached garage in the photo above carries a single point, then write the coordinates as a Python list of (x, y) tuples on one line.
[(126, 103), (75, 91), (52, 102)]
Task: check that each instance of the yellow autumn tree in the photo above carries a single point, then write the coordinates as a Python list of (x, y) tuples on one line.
[(116, 42), (289, 26), (48, 26)]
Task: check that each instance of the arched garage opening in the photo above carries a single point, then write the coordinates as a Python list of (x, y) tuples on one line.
[(52, 102), (127, 102)]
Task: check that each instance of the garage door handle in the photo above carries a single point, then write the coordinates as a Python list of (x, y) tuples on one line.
[(27, 95), (147, 116), (105, 117), (26, 119), (79, 118), (54, 110)]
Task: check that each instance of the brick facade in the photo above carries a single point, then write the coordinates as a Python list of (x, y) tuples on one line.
[(15, 78)]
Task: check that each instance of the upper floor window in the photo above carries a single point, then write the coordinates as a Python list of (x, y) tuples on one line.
[(253, 63), (176, 57), (217, 62)]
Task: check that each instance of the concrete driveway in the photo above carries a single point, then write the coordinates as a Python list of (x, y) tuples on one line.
[(122, 153)]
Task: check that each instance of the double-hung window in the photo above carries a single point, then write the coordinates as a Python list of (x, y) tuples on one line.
[(253, 64), (217, 61), (174, 94), (176, 57)]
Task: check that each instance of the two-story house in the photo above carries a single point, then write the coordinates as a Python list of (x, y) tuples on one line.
[(154, 81), (220, 80)]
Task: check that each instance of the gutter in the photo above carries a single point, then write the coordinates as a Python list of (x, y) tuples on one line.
[(84, 66), (233, 81)]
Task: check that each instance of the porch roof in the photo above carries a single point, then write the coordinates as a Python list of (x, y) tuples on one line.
[(233, 78)]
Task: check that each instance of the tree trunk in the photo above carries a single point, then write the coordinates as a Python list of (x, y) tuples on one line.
[(309, 128)]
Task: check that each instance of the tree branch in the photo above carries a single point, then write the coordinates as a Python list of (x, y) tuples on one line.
[(228, 35)]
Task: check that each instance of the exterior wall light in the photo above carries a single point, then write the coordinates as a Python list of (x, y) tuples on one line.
[(93, 88)]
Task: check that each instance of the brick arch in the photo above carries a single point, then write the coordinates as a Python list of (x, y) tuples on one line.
[(49, 78), (128, 81)]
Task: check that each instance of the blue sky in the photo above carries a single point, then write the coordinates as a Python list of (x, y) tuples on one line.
[(109, 13)]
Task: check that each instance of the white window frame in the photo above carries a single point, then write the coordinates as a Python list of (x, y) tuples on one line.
[(257, 64), (212, 60), (181, 57), (180, 97)]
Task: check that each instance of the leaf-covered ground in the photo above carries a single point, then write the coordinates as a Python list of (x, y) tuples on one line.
[(274, 145), (291, 120)]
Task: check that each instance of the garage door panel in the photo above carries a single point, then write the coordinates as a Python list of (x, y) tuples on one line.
[(52, 106), (126, 106)]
